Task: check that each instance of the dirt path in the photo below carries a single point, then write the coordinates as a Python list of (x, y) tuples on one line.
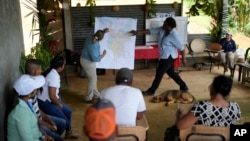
[(242, 40)]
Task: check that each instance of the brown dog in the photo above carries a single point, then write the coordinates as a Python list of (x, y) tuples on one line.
[(174, 96)]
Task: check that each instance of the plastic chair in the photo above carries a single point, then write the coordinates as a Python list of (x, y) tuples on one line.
[(134, 133), (205, 133), (241, 64)]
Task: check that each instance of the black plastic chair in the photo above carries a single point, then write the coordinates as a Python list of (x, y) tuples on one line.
[(241, 65)]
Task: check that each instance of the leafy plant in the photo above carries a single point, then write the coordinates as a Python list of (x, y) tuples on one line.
[(37, 52), (47, 47), (150, 7), (92, 10), (248, 29), (240, 11), (217, 11), (23, 60)]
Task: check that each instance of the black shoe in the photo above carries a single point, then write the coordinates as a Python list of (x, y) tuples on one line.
[(184, 89), (147, 93)]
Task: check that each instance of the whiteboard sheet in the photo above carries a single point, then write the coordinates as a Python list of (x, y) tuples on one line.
[(118, 42)]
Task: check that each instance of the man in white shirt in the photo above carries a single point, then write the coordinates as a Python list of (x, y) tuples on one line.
[(128, 101)]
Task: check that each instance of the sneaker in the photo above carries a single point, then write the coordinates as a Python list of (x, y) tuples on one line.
[(71, 135), (147, 93)]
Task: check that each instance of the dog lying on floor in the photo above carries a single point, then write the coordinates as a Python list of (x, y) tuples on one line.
[(174, 96)]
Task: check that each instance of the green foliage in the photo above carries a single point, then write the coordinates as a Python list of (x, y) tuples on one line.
[(23, 60), (152, 11), (42, 49), (37, 52), (42, 54), (240, 11), (247, 29), (92, 10), (214, 9)]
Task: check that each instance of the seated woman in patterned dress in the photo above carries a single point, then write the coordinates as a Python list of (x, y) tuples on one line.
[(217, 111)]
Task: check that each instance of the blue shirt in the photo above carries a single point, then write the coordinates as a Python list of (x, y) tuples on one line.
[(22, 124), (168, 45), (228, 46), (91, 51)]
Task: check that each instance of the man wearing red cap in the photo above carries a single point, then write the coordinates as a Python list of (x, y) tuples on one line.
[(100, 122)]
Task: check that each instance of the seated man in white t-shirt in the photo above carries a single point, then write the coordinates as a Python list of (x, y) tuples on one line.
[(128, 101)]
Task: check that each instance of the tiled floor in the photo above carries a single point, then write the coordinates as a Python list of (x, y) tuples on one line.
[(159, 116)]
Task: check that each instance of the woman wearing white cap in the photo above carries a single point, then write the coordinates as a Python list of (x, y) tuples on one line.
[(22, 123), (227, 55)]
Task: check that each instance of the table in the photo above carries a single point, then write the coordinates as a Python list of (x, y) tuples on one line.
[(152, 53), (212, 56), (146, 53)]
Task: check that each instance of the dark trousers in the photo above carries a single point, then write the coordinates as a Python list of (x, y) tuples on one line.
[(166, 66)]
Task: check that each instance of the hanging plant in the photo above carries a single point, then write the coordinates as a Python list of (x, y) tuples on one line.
[(92, 10), (150, 8), (174, 4)]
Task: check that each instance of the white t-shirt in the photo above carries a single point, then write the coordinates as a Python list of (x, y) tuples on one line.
[(51, 80), (127, 101)]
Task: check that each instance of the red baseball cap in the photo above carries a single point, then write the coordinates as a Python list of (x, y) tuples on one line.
[(99, 120)]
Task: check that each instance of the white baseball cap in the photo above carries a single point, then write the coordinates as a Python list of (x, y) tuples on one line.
[(26, 84), (229, 33)]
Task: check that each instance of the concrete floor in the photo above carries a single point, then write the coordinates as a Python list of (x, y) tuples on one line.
[(158, 115)]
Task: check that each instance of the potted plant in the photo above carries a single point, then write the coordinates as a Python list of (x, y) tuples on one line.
[(150, 8)]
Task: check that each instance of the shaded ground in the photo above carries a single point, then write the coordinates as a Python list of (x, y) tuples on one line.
[(159, 116)]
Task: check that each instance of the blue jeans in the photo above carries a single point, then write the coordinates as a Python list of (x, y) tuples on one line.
[(52, 109), (60, 124), (54, 135)]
